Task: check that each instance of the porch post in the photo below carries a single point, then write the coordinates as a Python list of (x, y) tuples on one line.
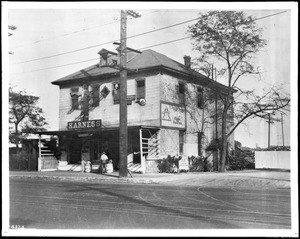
[(143, 160), (40, 155)]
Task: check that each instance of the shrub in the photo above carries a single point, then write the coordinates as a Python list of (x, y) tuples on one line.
[(199, 164), (239, 163), (167, 165)]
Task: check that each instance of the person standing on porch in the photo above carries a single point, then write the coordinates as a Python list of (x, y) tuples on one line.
[(104, 159)]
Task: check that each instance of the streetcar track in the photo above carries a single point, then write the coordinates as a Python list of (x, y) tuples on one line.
[(152, 213), (222, 201), (159, 203), (148, 201), (104, 186)]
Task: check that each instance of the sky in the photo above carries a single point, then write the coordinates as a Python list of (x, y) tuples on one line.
[(51, 38)]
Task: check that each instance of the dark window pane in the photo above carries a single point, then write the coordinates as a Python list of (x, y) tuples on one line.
[(140, 90)]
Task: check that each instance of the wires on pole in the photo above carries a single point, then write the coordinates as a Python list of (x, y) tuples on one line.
[(123, 136)]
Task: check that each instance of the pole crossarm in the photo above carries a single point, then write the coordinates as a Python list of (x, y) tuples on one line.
[(133, 13)]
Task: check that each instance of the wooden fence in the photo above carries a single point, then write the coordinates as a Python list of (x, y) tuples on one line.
[(22, 161), (49, 162)]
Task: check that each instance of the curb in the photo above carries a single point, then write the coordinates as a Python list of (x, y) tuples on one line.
[(86, 179)]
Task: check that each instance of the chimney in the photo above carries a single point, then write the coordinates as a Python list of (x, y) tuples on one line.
[(187, 62)]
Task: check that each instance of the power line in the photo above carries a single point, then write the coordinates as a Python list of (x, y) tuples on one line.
[(74, 63), (81, 49), (140, 34), (66, 34), (78, 31), (268, 16), (163, 43)]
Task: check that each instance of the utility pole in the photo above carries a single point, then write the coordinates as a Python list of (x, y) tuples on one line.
[(270, 121), (282, 129), (123, 137), (269, 127)]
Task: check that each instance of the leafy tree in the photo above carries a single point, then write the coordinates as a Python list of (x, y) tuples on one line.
[(231, 39), (24, 114)]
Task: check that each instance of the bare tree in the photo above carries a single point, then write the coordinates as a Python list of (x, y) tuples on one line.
[(232, 39)]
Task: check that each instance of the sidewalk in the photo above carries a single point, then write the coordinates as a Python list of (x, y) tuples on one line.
[(255, 179)]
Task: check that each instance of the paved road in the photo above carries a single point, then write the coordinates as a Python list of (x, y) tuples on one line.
[(89, 205)]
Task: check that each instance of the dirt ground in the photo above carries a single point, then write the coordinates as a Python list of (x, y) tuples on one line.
[(254, 179), (260, 179)]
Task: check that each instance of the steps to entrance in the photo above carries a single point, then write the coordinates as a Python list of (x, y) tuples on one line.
[(69, 167), (134, 168)]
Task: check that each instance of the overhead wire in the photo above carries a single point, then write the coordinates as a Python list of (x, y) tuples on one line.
[(77, 31), (73, 63), (128, 38), (85, 48)]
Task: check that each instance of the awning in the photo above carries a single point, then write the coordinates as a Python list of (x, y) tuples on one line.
[(97, 130)]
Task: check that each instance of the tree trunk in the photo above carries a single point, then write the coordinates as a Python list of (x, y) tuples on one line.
[(224, 142), (17, 138)]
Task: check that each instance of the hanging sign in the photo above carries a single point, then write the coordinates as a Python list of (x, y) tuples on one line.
[(84, 124), (172, 115)]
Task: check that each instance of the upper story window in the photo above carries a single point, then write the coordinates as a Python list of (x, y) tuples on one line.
[(95, 95), (104, 92), (200, 98), (75, 98), (140, 89), (181, 93), (116, 93)]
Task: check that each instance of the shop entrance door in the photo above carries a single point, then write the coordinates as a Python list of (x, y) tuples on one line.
[(75, 152)]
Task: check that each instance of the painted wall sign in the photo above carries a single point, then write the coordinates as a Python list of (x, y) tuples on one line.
[(172, 115), (184, 163), (84, 124)]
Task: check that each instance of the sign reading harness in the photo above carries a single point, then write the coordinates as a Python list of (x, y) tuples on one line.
[(84, 124)]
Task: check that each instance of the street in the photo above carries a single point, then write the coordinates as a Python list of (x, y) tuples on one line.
[(97, 205)]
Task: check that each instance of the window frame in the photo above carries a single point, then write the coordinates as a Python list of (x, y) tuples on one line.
[(200, 97), (140, 90), (74, 98), (95, 97), (181, 95)]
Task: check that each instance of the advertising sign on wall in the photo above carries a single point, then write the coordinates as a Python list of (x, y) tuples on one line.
[(184, 163), (172, 115), (84, 124)]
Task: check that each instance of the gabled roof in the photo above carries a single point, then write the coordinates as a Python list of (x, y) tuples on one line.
[(146, 60)]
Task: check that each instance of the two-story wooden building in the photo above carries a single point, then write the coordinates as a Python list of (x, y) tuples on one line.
[(166, 104)]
